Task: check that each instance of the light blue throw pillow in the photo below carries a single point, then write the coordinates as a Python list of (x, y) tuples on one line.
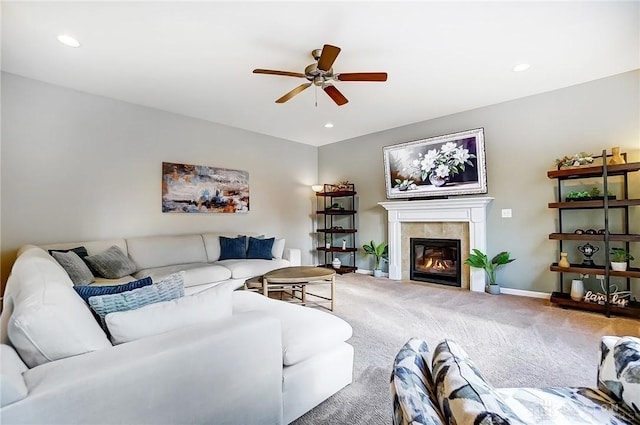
[(167, 289)]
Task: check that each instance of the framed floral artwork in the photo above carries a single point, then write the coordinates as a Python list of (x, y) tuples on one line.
[(452, 164)]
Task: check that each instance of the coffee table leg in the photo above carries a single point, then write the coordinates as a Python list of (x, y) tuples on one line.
[(333, 291), (304, 294), (265, 288)]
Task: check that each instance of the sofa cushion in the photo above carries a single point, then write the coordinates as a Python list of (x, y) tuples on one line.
[(212, 245), (87, 291), (12, 385), (464, 395), (159, 251), (244, 269), (260, 249), (112, 263), (194, 274), (619, 370), (564, 406), (49, 320), (209, 305), (167, 289), (75, 267), (233, 248), (277, 250), (305, 331)]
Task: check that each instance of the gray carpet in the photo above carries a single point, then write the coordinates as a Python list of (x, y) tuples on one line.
[(515, 341)]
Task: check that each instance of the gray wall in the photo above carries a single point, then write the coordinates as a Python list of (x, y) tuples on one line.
[(81, 167), (523, 138)]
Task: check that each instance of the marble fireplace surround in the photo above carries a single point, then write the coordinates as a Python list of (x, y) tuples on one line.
[(472, 211)]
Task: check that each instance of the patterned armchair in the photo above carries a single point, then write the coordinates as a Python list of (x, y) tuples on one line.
[(447, 388)]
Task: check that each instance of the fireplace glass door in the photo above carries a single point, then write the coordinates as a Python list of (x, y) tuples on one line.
[(436, 261)]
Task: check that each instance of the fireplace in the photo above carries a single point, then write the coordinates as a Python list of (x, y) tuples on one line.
[(436, 261), (469, 211)]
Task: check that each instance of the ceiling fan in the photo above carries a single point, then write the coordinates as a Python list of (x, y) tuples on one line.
[(321, 74)]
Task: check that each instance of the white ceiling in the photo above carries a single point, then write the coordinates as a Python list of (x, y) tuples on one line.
[(196, 58)]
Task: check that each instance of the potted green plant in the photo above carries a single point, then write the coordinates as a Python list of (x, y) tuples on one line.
[(619, 259), (479, 260), (379, 252)]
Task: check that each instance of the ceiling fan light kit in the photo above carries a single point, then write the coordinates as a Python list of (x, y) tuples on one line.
[(320, 74)]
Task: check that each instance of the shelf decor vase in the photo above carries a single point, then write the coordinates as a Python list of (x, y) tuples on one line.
[(619, 266), (336, 263), (436, 180), (563, 260), (616, 158), (577, 289)]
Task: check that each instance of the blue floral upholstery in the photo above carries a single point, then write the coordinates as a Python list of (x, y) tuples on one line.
[(412, 387), (462, 391), (619, 371), (455, 392)]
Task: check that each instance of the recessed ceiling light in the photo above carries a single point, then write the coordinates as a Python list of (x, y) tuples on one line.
[(521, 67), (67, 40), (328, 125)]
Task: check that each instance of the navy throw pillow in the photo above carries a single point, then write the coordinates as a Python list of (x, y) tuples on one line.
[(233, 248), (260, 248), (86, 291)]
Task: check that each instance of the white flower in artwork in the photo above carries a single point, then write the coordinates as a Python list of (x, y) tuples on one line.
[(449, 147), (461, 155), (428, 163), (442, 171)]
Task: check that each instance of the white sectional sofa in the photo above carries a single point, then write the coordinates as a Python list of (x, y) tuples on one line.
[(266, 362)]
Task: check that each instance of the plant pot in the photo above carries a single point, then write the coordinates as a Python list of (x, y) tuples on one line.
[(619, 267), (377, 273), (493, 289)]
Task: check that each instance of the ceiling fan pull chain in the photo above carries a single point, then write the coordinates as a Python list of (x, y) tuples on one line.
[(316, 93)]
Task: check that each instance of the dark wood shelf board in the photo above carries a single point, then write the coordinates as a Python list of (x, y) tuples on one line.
[(593, 171), (337, 230), (337, 249), (617, 203), (341, 270), (564, 300), (337, 193), (583, 237), (336, 212), (596, 270)]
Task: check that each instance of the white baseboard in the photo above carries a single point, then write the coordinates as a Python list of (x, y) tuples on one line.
[(508, 291), (523, 293), (370, 272)]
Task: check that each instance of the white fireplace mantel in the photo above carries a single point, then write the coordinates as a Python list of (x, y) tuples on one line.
[(469, 210)]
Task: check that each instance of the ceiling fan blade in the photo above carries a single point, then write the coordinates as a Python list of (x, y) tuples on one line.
[(327, 57), (283, 73), (293, 92), (362, 76), (335, 94)]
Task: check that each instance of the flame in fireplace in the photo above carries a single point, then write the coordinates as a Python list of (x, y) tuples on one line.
[(438, 264)]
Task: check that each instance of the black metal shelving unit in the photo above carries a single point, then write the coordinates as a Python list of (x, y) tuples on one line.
[(603, 172), (336, 221)]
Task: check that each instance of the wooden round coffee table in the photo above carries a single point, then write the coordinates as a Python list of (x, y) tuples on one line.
[(297, 279)]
